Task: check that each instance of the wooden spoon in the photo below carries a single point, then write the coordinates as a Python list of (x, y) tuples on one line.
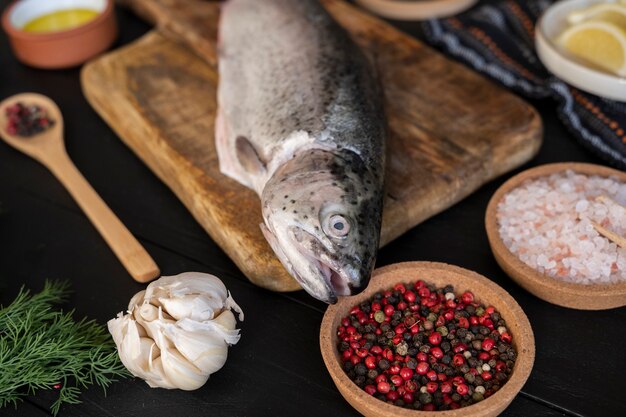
[(48, 148)]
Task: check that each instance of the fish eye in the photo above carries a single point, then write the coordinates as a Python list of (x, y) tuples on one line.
[(337, 226)]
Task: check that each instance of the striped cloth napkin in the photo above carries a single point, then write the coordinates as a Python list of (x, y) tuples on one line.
[(497, 39)]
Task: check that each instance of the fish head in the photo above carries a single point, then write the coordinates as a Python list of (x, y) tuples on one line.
[(322, 215)]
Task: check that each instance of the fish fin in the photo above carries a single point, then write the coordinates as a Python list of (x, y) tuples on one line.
[(248, 157)]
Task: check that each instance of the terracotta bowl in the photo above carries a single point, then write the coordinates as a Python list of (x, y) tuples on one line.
[(62, 49), (440, 275), (416, 9), (578, 296)]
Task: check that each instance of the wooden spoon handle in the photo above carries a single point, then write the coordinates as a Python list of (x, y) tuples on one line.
[(127, 249)]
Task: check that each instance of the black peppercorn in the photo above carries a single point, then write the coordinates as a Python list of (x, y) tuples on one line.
[(425, 398)]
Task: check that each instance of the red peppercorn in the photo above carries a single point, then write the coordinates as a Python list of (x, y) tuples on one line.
[(448, 315), (410, 386), (400, 288), (396, 380), (461, 347), (409, 297), (473, 320), (355, 310), (432, 375), (506, 337), (380, 378), (347, 354), (351, 330), (467, 297), (370, 362), (458, 359), (431, 387), (450, 303), (402, 306), (362, 353), (422, 357), (389, 309), (383, 387), (345, 322), (484, 356), (434, 338), (486, 376), (488, 344), (355, 359), (428, 407), (454, 406), (392, 396), (462, 389), (376, 350), (370, 389), (436, 352), (375, 306), (423, 292), (388, 354), (408, 398), (422, 368), (490, 310), (500, 366), (458, 380), (463, 322), (446, 387), (419, 284), (406, 373), (394, 369), (442, 377)]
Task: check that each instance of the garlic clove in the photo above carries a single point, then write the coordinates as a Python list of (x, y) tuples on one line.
[(196, 307), (182, 373), (137, 300), (206, 350)]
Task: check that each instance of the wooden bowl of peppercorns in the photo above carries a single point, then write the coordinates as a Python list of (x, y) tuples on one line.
[(428, 338)]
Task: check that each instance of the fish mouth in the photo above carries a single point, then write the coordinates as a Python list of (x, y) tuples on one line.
[(336, 277), (323, 277)]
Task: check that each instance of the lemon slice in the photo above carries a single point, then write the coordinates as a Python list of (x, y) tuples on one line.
[(599, 43), (606, 12)]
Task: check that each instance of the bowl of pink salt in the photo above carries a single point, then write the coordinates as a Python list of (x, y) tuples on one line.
[(559, 230)]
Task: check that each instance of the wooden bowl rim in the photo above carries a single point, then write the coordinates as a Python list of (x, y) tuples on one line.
[(523, 272), (523, 336)]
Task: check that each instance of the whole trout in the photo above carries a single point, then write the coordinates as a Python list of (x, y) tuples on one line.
[(300, 121)]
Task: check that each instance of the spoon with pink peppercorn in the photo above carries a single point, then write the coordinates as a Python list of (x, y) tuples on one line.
[(33, 124)]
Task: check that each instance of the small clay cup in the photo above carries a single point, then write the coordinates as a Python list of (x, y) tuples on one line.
[(62, 49), (440, 275), (552, 290)]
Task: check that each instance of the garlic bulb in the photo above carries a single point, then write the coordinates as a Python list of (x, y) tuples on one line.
[(176, 333)]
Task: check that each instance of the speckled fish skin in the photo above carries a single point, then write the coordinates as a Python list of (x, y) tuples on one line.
[(300, 121)]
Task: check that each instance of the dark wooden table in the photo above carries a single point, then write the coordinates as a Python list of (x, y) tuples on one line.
[(276, 369)]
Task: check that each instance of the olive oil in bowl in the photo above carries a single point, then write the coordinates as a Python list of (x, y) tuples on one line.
[(60, 20)]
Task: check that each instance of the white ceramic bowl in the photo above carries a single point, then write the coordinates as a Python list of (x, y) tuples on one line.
[(416, 9), (568, 68)]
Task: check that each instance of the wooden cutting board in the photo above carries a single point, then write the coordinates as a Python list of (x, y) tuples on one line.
[(451, 130)]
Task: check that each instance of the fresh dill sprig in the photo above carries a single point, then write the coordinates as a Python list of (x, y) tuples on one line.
[(42, 348)]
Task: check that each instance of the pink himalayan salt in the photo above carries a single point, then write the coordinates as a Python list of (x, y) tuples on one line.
[(546, 222)]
